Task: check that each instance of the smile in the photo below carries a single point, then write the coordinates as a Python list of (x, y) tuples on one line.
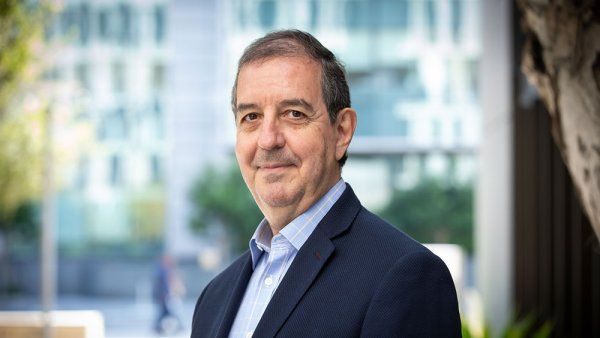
[(273, 173), (274, 167)]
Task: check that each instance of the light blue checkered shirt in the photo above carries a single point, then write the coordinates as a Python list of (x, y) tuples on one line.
[(272, 256)]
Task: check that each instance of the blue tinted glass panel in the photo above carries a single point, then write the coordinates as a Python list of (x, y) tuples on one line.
[(266, 13)]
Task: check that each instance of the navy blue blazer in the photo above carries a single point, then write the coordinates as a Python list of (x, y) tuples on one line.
[(356, 275)]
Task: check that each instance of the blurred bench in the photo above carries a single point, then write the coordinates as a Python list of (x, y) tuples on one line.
[(65, 324)]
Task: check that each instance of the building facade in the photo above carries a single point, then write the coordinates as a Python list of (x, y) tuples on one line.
[(116, 58), (152, 79)]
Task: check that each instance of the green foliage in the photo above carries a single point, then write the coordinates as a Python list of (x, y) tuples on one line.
[(24, 222), (21, 25), (434, 212), (220, 195), (525, 328), (147, 213), (521, 328), (20, 162)]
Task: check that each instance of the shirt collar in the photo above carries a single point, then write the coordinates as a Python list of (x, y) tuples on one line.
[(300, 228)]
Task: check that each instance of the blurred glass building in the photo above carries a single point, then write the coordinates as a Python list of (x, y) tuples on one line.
[(154, 80), (115, 53)]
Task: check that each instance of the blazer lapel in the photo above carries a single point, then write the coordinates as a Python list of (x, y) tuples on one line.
[(235, 297), (308, 262)]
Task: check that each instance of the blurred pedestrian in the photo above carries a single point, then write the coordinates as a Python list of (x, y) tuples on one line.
[(168, 289)]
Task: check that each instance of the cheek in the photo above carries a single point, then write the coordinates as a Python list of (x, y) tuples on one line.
[(244, 165), (243, 150), (315, 155)]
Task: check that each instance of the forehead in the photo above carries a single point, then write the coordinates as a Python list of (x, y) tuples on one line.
[(279, 76)]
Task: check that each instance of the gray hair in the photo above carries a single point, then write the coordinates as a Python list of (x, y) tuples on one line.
[(289, 43)]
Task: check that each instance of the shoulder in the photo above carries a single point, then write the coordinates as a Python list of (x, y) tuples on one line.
[(376, 248), (383, 238), (380, 248), (413, 285)]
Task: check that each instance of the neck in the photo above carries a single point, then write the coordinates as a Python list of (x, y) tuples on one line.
[(278, 221)]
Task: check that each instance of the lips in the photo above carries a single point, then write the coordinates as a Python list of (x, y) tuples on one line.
[(272, 166)]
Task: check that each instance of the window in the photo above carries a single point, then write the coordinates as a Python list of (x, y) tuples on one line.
[(156, 170), (314, 14), (453, 166), (382, 94), (357, 15), (456, 19), (472, 70), (393, 13), (82, 75), (82, 172), (157, 106), (241, 12), (118, 124), (457, 131), (116, 171), (84, 24), (118, 77), (158, 77), (158, 124), (403, 127), (436, 130), (159, 24), (68, 19), (409, 83), (51, 29), (125, 29), (266, 13), (114, 126), (431, 19), (53, 73), (104, 24)]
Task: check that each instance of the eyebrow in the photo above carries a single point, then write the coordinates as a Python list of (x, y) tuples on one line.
[(285, 103), (296, 103), (246, 106)]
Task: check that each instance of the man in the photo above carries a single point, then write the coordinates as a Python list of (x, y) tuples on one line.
[(319, 264), (168, 288)]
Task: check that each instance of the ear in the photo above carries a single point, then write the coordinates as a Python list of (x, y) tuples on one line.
[(345, 127)]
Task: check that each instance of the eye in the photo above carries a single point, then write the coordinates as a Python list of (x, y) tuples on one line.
[(249, 117), (295, 114)]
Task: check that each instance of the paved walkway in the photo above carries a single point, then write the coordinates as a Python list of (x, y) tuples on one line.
[(123, 318)]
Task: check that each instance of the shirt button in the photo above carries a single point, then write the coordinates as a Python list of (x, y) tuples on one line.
[(268, 281), (249, 334)]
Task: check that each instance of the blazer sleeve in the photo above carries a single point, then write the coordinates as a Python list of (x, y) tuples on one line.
[(417, 298)]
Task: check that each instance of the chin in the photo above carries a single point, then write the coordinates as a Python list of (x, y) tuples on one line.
[(278, 197), (276, 200)]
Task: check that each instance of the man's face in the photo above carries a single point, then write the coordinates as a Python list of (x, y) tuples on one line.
[(286, 144)]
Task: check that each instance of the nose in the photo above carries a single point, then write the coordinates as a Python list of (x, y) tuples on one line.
[(270, 136)]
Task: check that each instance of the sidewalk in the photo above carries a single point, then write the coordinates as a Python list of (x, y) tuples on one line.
[(123, 318)]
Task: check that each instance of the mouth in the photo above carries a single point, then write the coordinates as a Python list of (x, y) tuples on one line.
[(274, 167)]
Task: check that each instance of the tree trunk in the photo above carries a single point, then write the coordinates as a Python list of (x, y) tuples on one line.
[(561, 58)]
